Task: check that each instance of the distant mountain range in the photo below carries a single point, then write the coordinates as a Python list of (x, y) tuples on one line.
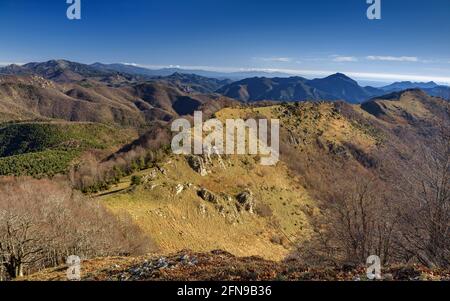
[(193, 83), (334, 87), (63, 71), (255, 86), (136, 104), (409, 85), (133, 69), (431, 88)]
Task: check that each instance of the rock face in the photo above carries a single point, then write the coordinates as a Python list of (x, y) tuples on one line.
[(197, 164), (246, 201), (208, 196)]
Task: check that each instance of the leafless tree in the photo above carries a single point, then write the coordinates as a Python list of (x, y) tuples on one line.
[(20, 243), (356, 221), (426, 215), (43, 221)]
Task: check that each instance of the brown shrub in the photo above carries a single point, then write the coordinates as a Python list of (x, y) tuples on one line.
[(263, 210)]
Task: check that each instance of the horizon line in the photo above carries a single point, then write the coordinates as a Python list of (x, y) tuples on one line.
[(360, 76)]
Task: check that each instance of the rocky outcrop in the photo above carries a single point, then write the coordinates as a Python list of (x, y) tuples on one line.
[(246, 201), (197, 164), (208, 196)]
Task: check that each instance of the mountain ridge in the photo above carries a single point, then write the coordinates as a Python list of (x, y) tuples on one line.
[(334, 87), (31, 97), (337, 86)]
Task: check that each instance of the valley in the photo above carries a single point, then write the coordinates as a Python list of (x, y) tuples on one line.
[(103, 133)]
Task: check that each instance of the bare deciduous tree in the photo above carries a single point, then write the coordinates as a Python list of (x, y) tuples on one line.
[(356, 222), (425, 218), (43, 221)]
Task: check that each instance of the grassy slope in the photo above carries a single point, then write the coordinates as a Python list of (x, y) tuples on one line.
[(48, 148), (176, 221)]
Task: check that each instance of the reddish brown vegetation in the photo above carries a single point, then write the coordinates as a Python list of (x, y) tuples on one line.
[(42, 222), (220, 265)]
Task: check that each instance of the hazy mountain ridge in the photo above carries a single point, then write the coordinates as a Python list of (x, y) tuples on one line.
[(57, 70), (251, 86), (409, 85), (135, 104), (162, 72), (193, 83), (431, 88), (334, 87), (354, 94)]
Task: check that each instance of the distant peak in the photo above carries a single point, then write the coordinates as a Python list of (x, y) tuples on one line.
[(339, 75), (58, 61), (399, 94), (413, 90), (410, 85)]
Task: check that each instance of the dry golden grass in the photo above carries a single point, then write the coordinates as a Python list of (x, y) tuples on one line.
[(177, 221)]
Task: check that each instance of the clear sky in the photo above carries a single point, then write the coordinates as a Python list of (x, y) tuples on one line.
[(310, 38)]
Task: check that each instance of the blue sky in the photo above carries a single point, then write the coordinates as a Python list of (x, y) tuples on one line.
[(309, 38)]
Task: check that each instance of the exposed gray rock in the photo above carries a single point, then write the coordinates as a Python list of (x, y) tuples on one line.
[(197, 164), (162, 263), (246, 200), (208, 196)]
